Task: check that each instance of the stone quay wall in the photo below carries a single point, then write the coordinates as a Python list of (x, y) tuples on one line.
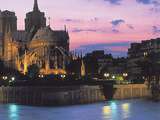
[(41, 96), (68, 95), (131, 91)]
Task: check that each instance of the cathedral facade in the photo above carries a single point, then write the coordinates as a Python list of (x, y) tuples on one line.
[(37, 44)]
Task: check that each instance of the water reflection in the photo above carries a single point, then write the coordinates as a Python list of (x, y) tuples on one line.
[(126, 110), (110, 110), (13, 112), (114, 110), (107, 110), (113, 105)]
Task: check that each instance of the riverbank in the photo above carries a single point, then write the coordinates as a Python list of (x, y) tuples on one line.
[(51, 96), (70, 95), (131, 91)]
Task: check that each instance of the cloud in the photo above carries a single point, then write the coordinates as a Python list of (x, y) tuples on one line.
[(155, 3), (145, 1), (68, 20), (114, 2), (156, 6), (118, 49), (155, 9), (84, 30), (71, 20), (156, 30), (115, 31), (117, 22), (77, 30), (95, 19), (130, 26)]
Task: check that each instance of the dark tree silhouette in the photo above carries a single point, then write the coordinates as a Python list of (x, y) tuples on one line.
[(33, 71), (150, 69)]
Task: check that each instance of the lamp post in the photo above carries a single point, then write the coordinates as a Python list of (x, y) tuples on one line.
[(106, 75), (41, 76), (125, 74), (113, 77), (63, 76), (5, 77), (13, 78)]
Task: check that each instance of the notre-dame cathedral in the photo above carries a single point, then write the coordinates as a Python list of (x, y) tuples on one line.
[(37, 44)]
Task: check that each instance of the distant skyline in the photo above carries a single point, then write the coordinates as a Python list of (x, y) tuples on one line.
[(110, 25)]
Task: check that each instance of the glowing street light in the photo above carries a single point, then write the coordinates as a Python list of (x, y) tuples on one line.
[(5, 77), (63, 76), (13, 78), (113, 77), (41, 76), (125, 74), (106, 74)]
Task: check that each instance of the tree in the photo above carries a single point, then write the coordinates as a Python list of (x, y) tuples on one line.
[(150, 69), (33, 71), (1, 63)]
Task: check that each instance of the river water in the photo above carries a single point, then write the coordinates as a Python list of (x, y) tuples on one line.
[(113, 110)]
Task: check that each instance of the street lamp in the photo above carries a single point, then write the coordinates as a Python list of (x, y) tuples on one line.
[(106, 74), (63, 76), (125, 74), (5, 77), (113, 77), (13, 78), (41, 76)]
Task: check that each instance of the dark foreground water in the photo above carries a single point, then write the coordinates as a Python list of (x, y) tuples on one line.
[(113, 110)]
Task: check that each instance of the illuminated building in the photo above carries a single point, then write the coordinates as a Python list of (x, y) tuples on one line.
[(8, 22), (37, 44), (96, 61), (117, 70), (34, 20), (139, 52)]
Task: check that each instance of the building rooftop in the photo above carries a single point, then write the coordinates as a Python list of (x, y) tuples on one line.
[(20, 35)]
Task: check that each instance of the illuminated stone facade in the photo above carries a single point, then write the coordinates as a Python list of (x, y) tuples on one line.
[(37, 44), (8, 22)]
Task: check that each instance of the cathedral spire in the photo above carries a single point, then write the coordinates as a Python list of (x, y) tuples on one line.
[(35, 6)]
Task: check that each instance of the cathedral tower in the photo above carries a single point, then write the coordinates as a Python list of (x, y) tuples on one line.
[(8, 20), (35, 8), (8, 23), (34, 20)]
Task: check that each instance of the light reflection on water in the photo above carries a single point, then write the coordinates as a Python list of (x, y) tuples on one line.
[(109, 110), (113, 110), (13, 112), (126, 110)]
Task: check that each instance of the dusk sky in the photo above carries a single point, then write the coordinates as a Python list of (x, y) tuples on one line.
[(110, 25)]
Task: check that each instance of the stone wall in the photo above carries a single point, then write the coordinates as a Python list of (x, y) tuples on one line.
[(131, 91), (51, 95), (67, 95)]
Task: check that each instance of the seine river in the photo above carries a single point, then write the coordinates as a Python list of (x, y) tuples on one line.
[(113, 110)]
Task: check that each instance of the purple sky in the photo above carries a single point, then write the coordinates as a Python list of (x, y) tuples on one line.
[(97, 24)]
